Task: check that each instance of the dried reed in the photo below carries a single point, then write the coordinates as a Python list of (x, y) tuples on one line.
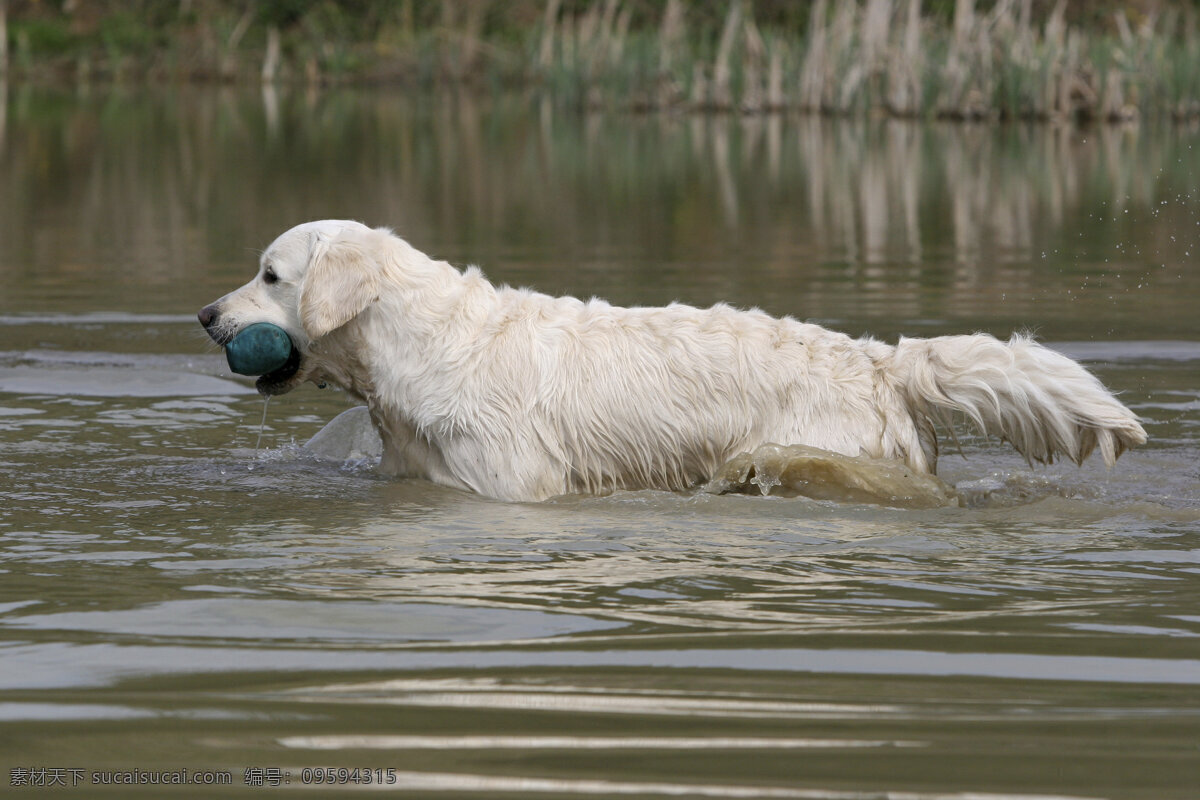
[(882, 56)]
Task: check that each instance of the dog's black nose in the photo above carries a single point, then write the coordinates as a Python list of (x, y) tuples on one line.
[(207, 315)]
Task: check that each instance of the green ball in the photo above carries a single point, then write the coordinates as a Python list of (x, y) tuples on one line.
[(258, 349)]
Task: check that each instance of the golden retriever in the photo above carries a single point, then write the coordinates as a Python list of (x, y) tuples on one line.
[(522, 396)]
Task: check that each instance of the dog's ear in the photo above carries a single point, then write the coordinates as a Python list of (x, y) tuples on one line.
[(342, 279)]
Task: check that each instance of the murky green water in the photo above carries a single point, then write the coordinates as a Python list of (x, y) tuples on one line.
[(173, 597)]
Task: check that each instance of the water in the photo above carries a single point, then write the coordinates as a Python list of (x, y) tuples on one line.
[(175, 597)]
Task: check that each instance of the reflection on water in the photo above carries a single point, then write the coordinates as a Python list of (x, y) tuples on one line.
[(174, 595), (861, 220)]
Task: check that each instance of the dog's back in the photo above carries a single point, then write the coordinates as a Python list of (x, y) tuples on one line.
[(662, 397)]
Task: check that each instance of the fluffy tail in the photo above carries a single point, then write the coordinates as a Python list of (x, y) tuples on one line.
[(1042, 402)]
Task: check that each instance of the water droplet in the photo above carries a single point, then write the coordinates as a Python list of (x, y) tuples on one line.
[(263, 423)]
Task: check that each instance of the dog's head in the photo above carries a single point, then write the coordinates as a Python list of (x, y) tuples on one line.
[(311, 281)]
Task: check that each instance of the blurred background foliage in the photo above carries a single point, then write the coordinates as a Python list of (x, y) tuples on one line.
[(1112, 59)]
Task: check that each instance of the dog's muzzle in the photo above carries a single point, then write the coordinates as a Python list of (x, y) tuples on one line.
[(277, 381)]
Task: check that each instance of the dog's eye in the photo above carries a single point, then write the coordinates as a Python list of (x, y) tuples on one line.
[(269, 276)]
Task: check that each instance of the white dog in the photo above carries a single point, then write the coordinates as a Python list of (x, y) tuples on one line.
[(522, 396)]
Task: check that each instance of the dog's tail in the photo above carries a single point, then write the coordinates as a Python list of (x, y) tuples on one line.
[(1042, 402)]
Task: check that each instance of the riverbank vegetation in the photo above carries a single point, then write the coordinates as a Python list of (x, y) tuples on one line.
[(963, 59)]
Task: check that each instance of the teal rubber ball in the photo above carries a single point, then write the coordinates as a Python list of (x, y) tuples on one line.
[(258, 349)]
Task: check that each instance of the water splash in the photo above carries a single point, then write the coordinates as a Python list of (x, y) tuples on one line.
[(797, 470)]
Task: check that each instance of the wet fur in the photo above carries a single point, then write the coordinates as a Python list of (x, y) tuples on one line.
[(522, 396)]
